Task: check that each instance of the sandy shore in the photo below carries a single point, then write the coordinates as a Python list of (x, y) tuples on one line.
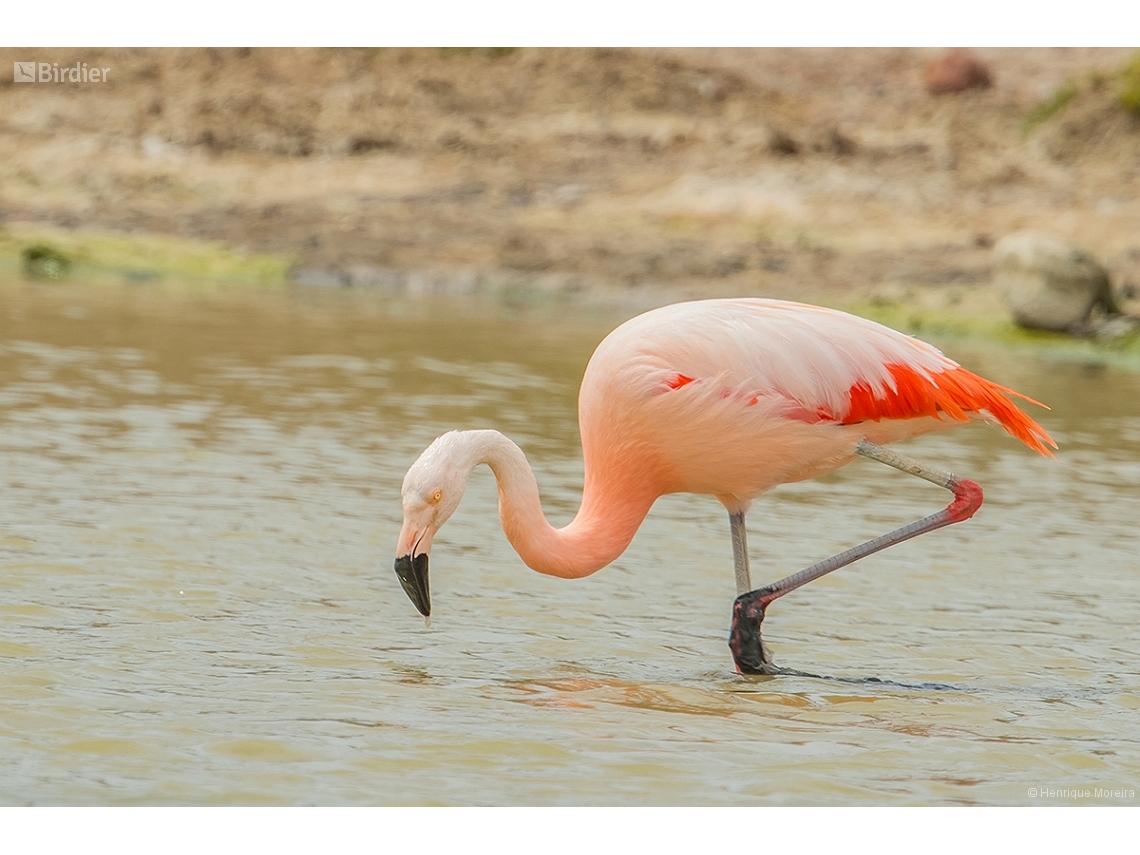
[(812, 174)]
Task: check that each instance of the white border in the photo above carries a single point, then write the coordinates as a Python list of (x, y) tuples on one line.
[(555, 831), (982, 23)]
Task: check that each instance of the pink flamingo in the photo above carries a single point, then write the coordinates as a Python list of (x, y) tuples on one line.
[(727, 398)]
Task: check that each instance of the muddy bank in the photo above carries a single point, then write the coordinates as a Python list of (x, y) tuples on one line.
[(796, 173)]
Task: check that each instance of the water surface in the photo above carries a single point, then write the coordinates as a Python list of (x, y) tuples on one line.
[(197, 604)]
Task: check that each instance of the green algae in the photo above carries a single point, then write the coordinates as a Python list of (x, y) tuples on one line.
[(38, 251), (999, 331)]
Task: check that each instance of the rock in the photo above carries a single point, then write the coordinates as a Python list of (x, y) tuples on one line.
[(1048, 284), (780, 143), (1112, 328), (956, 71), (832, 141), (368, 276), (313, 277), (45, 262)]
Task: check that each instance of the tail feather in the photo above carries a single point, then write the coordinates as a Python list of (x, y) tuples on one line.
[(954, 393)]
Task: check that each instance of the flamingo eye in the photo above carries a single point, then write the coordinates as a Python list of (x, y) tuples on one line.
[(436, 496)]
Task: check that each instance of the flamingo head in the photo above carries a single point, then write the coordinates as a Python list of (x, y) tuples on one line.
[(432, 489)]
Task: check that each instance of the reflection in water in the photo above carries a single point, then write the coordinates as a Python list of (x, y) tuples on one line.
[(895, 684), (201, 500)]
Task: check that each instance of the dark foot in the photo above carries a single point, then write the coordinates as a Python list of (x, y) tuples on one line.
[(748, 649)]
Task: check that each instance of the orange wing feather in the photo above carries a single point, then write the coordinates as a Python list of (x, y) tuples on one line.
[(955, 393)]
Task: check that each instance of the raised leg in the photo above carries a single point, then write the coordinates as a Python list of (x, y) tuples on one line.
[(748, 650), (740, 553)]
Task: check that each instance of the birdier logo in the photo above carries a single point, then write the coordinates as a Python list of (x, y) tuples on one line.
[(51, 72)]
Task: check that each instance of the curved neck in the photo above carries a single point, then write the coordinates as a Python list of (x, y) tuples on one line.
[(612, 509)]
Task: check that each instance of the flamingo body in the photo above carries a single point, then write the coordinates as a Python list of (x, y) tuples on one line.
[(733, 397), (727, 398)]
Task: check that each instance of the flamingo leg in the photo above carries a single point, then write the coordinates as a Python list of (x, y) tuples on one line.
[(740, 553), (748, 650)]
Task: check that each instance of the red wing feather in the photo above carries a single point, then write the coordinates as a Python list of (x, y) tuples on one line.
[(955, 393)]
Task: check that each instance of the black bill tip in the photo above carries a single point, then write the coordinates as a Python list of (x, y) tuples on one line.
[(413, 575)]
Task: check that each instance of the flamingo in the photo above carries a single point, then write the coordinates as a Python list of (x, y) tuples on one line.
[(727, 398)]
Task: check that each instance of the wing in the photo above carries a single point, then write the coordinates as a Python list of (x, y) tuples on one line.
[(801, 362)]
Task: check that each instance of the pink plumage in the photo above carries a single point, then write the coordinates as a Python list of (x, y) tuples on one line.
[(727, 398), (733, 397)]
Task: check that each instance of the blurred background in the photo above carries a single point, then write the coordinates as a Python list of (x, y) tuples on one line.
[(856, 173)]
